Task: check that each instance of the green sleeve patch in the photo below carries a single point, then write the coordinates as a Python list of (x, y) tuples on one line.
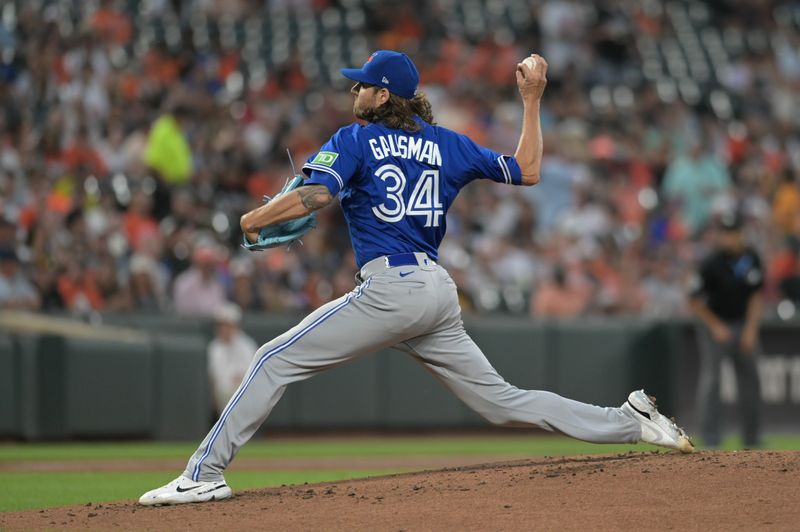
[(325, 158)]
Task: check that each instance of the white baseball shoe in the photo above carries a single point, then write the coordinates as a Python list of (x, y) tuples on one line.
[(656, 428), (184, 490)]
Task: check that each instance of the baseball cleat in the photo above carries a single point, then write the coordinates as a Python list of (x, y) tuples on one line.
[(183, 490), (656, 428)]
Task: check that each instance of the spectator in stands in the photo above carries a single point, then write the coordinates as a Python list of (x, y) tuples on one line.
[(663, 291), (243, 290), (229, 355), (199, 290), (694, 181), (111, 24), (561, 296), (786, 203), (16, 292), (107, 103), (114, 292), (785, 267), (45, 282), (169, 156), (145, 295), (138, 222), (7, 233), (78, 288), (80, 154)]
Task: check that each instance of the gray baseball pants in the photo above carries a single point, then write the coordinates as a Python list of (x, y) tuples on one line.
[(417, 313)]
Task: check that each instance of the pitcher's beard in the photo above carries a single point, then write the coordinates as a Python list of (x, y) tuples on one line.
[(363, 113)]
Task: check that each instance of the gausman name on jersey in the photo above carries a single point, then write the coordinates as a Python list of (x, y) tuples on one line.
[(424, 151)]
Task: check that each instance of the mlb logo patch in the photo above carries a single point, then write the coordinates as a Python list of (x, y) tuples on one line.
[(325, 158)]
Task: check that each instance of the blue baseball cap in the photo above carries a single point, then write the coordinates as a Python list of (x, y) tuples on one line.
[(391, 70)]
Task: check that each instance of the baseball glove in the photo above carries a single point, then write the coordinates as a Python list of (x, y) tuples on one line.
[(285, 232)]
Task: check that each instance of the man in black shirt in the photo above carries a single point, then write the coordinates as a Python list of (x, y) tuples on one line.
[(726, 296)]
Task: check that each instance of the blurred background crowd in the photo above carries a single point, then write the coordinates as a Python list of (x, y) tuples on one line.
[(134, 134)]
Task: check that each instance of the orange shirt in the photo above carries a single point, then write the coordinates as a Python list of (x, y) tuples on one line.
[(112, 25), (71, 290), (77, 155), (785, 206), (138, 228)]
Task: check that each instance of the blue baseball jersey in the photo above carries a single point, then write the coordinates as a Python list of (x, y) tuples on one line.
[(395, 187)]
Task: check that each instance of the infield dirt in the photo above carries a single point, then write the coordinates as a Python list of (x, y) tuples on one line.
[(745, 490)]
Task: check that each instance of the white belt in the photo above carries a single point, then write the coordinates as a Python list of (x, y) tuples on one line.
[(384, 262)]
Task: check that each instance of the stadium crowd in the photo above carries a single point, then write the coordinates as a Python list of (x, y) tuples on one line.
[(126, 158)]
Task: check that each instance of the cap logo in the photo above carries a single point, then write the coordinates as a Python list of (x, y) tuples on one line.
[(384, 80)]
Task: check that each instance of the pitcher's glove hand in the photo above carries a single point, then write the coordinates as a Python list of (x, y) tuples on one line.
[(285, 232)]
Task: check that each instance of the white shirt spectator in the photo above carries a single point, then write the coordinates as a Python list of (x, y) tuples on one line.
[(198, 290), (229, 356), (16, 292)]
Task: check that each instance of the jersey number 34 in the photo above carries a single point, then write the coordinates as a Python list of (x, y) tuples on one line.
[(424, 199)]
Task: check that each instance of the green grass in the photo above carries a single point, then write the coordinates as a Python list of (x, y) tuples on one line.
[(317, 448), (347, 447), (22, 490)]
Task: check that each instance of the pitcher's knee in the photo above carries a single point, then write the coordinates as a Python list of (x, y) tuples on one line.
[(503, 406), (497, 418), (500, 414)]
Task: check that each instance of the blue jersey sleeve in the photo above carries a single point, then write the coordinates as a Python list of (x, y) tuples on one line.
[(336, 162), (483, 163)]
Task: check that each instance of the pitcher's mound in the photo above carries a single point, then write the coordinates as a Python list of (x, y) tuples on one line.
[(656, 491)]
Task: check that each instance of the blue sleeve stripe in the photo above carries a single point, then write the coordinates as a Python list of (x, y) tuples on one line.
[(327, 170), (504, 167)]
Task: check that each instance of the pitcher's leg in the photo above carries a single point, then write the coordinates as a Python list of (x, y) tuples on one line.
[(323, 340), (458, 362)]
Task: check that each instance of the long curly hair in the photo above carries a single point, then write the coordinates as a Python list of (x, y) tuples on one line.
[(399, 112)]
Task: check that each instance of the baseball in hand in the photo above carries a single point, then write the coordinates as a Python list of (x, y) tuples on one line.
[(530, 62)]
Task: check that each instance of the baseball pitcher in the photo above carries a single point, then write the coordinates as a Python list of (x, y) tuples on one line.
[(395, 178)]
